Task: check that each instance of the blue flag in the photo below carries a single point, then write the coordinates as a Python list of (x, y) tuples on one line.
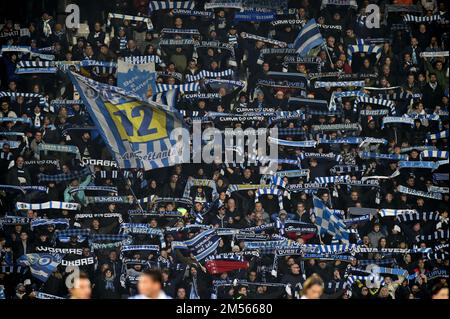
[(327, 222), (41, 264), (202, 245), (308, 38), (137, 133), (139, 79)]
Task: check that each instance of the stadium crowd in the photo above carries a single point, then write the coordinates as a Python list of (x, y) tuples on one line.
[(363, 137)]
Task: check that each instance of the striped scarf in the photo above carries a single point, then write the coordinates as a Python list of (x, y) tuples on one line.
[(209, 74), (371, 100), (395, 212), (31, 67), (348, 169), (143, 59), (166, 5), (233, 39), (270, 191), (418, 19), (120, 16), (415, 216), (42, 100), (368, 49), (437, 235), (187, 87), (203, 183), (437, 136), (332, 179), (337, 96)]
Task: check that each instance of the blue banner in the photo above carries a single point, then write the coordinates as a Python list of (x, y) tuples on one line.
[(139, 79)]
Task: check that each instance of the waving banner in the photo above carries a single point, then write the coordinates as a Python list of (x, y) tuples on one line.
[(137, 78), (136, 132)]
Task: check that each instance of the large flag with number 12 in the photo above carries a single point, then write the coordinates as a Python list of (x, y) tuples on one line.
[(138, 133)]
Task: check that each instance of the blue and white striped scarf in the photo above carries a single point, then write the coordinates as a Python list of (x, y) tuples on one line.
[(120, 16), (144, 59), (31, 67), (375, 101), (409, 217), (270, 191), (167, 5), (278, 181), (203, 183), (437, 136), (420, 19), (204, 74), (187, 87), (42, 100), (337, 96), (368, 49), (437, 235), (346, 169), (385, 212), (332, 179)]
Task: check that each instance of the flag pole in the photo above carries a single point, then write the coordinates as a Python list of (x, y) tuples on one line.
[(328, 53)]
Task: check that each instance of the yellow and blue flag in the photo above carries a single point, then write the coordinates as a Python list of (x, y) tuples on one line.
[(138, 133)]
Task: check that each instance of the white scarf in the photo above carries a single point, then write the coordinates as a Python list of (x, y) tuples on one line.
[(47, 28)]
